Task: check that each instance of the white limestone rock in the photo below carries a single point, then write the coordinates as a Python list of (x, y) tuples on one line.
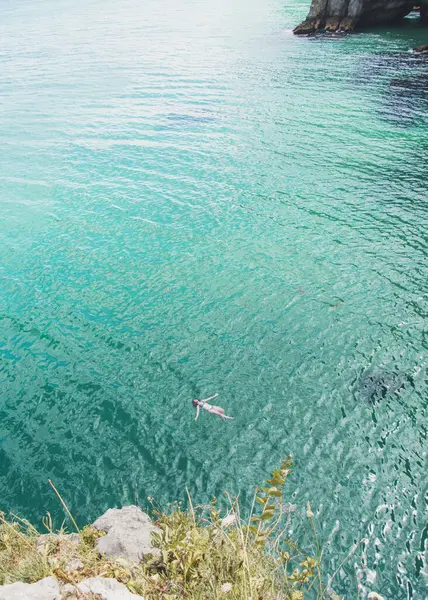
[(106, 589), (128, 536), (45, 589)]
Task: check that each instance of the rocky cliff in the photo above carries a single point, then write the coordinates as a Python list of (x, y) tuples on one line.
[(124, 541), (346, 15)]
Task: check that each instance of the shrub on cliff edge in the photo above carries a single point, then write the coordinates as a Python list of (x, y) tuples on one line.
[(204, 555)]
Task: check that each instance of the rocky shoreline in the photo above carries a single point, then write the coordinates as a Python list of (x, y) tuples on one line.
[(347, 15), (124, 536)]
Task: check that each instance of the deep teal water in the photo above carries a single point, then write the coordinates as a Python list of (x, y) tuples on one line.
[(193, 201)]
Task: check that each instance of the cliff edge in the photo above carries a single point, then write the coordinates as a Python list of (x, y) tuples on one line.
[(346, 15)]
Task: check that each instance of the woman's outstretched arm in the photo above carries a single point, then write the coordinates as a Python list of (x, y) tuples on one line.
[(210, 398)]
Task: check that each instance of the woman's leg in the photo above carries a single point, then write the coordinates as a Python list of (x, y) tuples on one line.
[(216, 410)]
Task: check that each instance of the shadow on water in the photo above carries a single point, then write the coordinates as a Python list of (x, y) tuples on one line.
[(404, 75), (407, 101)]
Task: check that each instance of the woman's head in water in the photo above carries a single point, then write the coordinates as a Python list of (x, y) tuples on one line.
[(195, 402)]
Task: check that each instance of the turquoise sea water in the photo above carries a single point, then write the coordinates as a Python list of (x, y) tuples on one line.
[(193, 200)]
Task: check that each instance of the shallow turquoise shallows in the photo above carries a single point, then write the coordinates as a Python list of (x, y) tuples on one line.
[(194, 201)]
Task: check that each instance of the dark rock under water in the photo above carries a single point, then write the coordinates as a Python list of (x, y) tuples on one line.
[(374, 386)]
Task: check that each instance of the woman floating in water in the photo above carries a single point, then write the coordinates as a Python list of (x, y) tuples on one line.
[(214, 410)]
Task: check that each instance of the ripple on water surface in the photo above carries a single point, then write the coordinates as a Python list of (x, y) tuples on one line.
[(195, 201)]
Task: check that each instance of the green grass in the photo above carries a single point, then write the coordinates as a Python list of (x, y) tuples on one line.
[(204, 555)]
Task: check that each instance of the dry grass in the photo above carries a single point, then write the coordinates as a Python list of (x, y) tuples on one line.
[(19, 559)]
